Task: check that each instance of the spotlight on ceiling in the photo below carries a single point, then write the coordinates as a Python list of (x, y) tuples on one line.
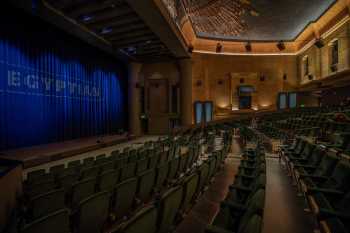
[(86, 18), (319, 43), (218, 48), (106, 30), (190, 48), (281, 46), (248, 47), (285, 77)]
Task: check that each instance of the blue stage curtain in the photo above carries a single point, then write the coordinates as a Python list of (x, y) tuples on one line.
[(54, 87)]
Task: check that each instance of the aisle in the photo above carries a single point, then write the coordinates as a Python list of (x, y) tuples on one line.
[(283, 209), (208, 205)]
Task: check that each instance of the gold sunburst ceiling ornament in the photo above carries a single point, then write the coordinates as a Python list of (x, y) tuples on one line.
[(215, 17), (218, 17)]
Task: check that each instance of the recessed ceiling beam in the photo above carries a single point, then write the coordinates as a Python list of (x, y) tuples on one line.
[(116, 22), (150, 13), (134, 42), (129, 34)]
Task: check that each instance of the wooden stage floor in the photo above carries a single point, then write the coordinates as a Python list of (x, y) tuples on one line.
[(41, 154)]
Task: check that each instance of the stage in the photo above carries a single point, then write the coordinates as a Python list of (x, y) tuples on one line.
[(41, 154)]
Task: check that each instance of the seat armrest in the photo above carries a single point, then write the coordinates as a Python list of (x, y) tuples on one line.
[(313, 204), (233, 205), (239, 187), (215, 229), (326, 191), (246, 176)]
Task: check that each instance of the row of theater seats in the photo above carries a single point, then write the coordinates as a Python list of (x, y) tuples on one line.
[(117, 194), (243, 208), (322, 176)]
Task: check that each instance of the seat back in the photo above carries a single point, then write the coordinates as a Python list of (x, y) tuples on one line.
[(128, 171), (89, 162), (316, 156), (182, 163), (100, 159), (203, 176), (67, 181), (153, 161), (57, 222), (162, 175), (340, 178), (169, 206), (82, 190), (254, 206), (300, 147), (107, 166), (190, 185), (146, 182), (327, 164), (56, 170), (35, 174), (123, 197), (91, 172), (108, 180), (163, 157), (144, 221), (212, 162), (343, 205), (141, 165), (120, 162), (254, 225), (74, 163), (92, 213), (308, 150), (47, 203), (40, 188), (174, 166)]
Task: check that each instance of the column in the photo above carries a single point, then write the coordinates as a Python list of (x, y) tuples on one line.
[(185, 66), (134, 99)]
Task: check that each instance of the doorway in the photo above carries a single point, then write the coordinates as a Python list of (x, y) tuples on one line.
[(245, 102)]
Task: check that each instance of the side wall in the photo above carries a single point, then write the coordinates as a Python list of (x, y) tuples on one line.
[(216, 78), (319, 58)]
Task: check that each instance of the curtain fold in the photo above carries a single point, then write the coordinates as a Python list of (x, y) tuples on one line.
[(54, 87)]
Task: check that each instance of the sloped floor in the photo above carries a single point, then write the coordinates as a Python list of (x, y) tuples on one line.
[(205, 210), (283, 209)]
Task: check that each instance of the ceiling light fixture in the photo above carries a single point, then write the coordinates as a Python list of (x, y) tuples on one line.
[(248, 47), (86, 18), (218, 17), (319, 43), (218, 48), (106, 30), (281, 46)]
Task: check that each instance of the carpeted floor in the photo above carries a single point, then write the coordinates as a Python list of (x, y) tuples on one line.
[(283, 209)]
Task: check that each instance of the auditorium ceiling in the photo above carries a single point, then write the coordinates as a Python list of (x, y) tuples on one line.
[(243, 20), (117, 23)]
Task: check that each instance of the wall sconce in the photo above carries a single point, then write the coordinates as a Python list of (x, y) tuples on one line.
[(285, 77), (319, 43), (280, 45), (190, 48), (199, 83), (248, 47), (218, 48)]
